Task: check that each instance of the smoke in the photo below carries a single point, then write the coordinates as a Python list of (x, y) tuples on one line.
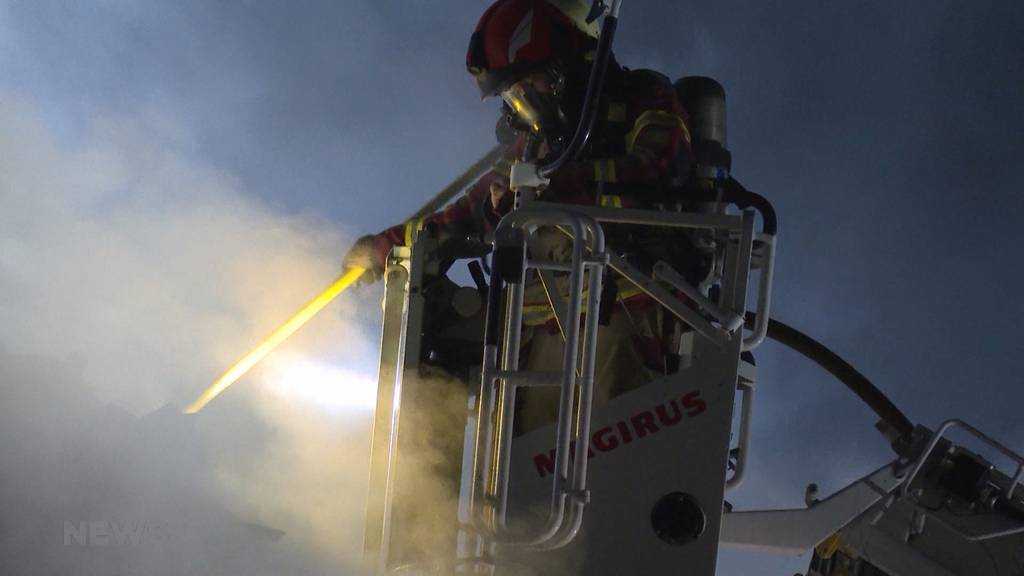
[(132, 273)]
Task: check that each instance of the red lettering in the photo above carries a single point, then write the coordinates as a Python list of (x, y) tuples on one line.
[(694, 404), (572, 451), (665, 418), (643, 423), (605, 439), (627, 436), (545, 463)]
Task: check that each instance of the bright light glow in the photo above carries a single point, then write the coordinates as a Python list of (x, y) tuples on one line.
[(329, 387), (280, 335)]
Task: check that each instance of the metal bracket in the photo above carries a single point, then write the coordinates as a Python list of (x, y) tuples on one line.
[(730, 321), (764, 292), (662, 296), (1008, 492), (796, 531), (525, 175), (740, 472), (955, 423)]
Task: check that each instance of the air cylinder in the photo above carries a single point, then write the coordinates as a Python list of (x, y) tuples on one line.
[(704, 101)]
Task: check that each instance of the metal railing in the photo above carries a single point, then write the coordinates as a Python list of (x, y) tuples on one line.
[(720, 323), (1008, 491), (496, 401)]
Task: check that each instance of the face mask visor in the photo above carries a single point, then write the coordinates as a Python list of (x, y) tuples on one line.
[(536, 108)]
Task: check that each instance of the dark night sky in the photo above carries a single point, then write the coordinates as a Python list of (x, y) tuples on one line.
[(888, 135)]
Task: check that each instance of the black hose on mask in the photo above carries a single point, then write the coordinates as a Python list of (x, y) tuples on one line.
[(595, 84)]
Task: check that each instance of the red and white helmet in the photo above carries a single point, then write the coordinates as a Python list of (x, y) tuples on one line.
[(514, 37)]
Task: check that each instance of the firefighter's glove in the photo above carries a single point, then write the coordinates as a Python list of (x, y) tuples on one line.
[(364, 254)]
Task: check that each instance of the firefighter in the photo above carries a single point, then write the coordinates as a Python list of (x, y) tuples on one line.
[(537, 55)]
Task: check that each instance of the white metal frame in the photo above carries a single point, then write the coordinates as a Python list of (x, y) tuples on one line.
[(719, 323), (495, 404)]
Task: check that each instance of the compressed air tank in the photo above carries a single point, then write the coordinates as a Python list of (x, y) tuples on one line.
[(704, 101)]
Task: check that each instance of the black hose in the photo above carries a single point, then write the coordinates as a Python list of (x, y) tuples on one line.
[(841, 369), (732, 192), (590, 103), (736, 193)]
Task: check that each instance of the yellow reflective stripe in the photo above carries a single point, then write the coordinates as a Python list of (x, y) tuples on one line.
[(503, 167), (537, 314), (412, 228), (831, 545), (631, 291), (610, 173), (611, 200), (604, 171), (616, 112), (655, 118)]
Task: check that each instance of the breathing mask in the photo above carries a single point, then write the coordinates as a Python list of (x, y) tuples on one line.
[(534, 104)]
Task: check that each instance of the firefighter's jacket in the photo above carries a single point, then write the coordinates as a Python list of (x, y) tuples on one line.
[(638, 153)]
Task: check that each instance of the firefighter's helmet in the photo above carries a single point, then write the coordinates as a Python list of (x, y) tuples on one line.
[(515, 37)]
